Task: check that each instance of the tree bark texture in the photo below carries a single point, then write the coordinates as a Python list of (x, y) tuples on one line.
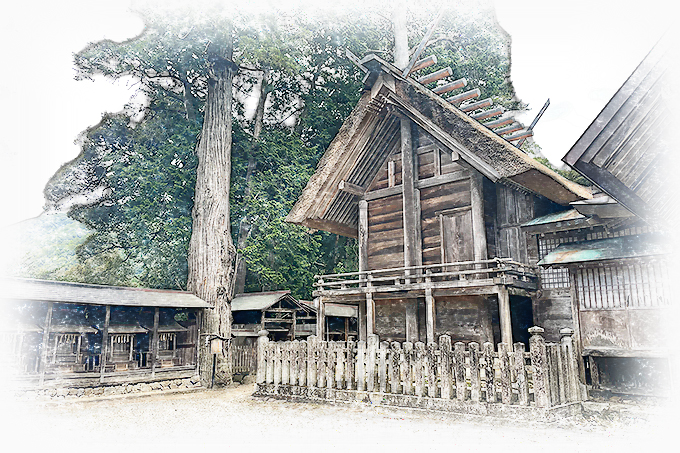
[(212, 253), (244, 225)]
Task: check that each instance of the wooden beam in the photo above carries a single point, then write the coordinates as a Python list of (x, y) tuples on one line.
[(457, 99), (45, 342), (362, 319), (429, 314), (370, 314), (509, 129), (354, 59), (351, 188), (424, 63), (423, 43), (519, 135), (487, 114), (105, 343), (363, 235), (456, 84), (504, 315), (444, 139), (499, 122), (477, 105), (434, 76)]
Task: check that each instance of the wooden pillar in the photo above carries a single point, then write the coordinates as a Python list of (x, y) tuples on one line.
[(346, 329), (105, 343), (408, 193), (292, 333), (363, 235), (370, 315), (504, 315), (429, 310), (412, 320), (45, 342), (154, 340), (362, 321), (477, 206), (320, 317)]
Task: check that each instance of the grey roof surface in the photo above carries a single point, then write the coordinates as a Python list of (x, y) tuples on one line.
[(70, 328), (342, 311), (258, 301), (606, 249), (127, 328), (165, 328), (81, 293), (561, 216)]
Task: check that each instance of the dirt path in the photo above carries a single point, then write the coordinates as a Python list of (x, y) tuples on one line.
[(231, 418)]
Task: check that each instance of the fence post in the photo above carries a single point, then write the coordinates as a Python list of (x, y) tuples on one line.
[(285, 363), (311, 361), (393, 367), (322, 348), (474, 372), (350, 366), (405, 368), (573, 387), (339, 365), (418, 368), (506, 375), (294, 362), (262, 341), (371, 352), (361, 368), (459, 370), (539, 362), (489, 373), (445, 362), (302, 378), (521, 373), (432, 369), (382, 365)]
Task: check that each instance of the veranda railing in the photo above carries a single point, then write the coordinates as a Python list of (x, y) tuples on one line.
[(502, 270)]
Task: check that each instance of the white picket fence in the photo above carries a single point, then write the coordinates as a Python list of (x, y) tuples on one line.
[(545, 376)]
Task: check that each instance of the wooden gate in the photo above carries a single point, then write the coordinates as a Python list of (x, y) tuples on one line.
[(244, 359)]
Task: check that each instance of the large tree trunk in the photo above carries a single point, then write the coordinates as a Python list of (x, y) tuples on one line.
[(244, 224), (211, 250)]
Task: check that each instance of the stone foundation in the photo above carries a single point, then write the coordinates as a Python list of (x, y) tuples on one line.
[(125, 389)]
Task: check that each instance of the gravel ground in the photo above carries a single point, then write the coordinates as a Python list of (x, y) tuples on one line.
[(230, 418)]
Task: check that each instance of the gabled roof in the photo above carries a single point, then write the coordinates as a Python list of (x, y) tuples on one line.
[(81, 293), (260, 301), (371, 132), (629, 150)]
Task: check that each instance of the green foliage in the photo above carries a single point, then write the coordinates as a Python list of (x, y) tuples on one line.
[(141, 174)]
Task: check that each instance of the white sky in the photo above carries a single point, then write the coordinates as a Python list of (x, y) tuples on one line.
[(577, 53)]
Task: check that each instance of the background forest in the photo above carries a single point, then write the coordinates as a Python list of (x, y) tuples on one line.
[(132, 185)]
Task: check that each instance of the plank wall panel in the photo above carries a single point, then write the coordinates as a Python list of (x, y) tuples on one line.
[(385, 233)]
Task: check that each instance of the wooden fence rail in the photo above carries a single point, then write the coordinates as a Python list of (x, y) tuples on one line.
[(244, 359), (545, 376)]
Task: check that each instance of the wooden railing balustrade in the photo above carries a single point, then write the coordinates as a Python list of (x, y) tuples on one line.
[(544, 377), (493, 271)]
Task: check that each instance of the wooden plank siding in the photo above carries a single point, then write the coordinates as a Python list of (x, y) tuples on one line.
[(385, 233), (513, 209)]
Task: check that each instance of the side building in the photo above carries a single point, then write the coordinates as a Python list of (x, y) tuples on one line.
[(60, 334)]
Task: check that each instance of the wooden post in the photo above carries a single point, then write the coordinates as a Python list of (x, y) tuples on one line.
[(429, 309), (154, 340), (363, 236), (262, 341), (292, 334), (370, 314), (521, 372), (445, 363), (393, 367), (459, 370), (105, 343), (285, 363), (418, 368), (539, 362), (360, 366), (506, 374), (475, 382), (320, 317), (477, 208), (405, 368), (412, 320), (489, 373), (371, 352), (302, 369), (382, 365), (504, 315), (361, 321), (408, 194), (432, 370), (45, 342)]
